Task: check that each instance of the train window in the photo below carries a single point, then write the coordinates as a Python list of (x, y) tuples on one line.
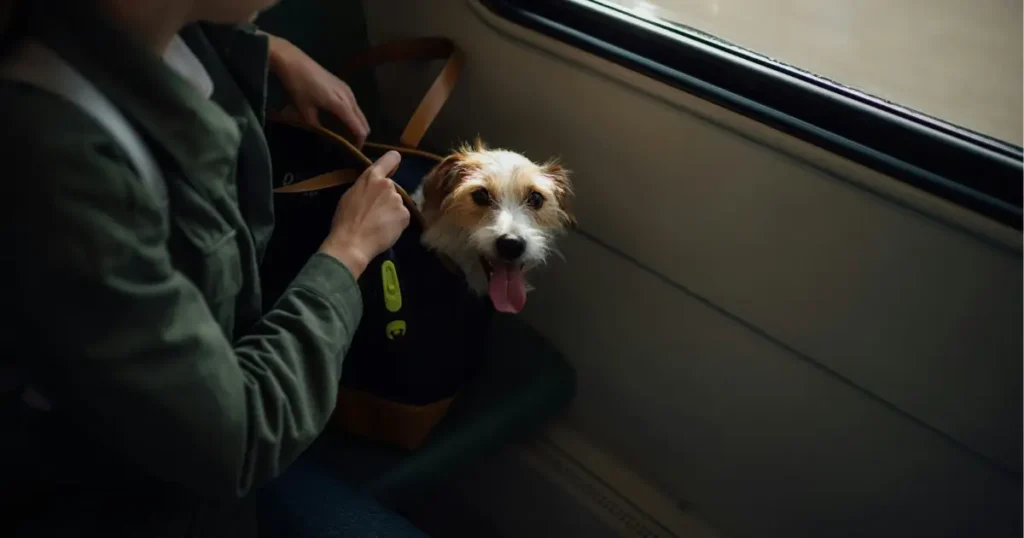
[(957, 61), (928, 92)]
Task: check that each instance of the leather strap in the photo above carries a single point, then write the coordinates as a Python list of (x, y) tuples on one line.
[(346, 176), (343, 176), (412, 50), (384, 148), (323, 181), (418, 49)]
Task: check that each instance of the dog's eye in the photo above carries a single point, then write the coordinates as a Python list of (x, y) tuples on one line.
[(535, 200), (481, 197)]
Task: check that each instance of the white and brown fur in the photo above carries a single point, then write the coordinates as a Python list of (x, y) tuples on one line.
[(479, 197)]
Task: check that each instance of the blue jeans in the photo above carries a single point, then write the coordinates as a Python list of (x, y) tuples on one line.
[(308, 502)]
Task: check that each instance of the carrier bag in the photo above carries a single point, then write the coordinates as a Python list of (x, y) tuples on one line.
[(421, 335)]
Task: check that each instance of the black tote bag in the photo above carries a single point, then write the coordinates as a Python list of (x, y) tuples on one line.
[(422, 330)]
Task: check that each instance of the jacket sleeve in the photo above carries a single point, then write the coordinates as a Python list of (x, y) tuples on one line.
[(129, 350)]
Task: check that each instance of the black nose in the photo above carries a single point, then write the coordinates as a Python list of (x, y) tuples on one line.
[(510, 248)]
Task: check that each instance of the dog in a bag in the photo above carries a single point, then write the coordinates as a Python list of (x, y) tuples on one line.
[(481, 218), (496, 214)]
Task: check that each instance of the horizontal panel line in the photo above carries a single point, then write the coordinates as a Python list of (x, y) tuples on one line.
[(757, 330)]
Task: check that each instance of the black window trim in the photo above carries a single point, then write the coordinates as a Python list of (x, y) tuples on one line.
[(970, 169)]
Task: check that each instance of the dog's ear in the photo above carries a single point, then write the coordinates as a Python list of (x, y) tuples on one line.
[(562, 190), (477, 146), (443, 179)]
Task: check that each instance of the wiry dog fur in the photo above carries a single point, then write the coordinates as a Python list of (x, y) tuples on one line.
[(494, 211)]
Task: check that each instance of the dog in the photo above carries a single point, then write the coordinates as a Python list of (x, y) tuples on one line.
[(496, 215)]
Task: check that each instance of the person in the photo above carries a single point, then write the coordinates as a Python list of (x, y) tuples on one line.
[(169, 398)]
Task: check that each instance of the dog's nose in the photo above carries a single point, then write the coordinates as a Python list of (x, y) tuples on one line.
[(510, 248)]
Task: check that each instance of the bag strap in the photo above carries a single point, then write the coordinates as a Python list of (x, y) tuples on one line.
[(346, 176), (343, 176), (416, 50), (407, 50), (34, 64), (323, 181)]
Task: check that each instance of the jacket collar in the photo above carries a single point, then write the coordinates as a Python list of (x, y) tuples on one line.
[(181, 58)]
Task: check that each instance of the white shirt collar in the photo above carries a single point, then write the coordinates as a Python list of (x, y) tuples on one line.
[(181, 58)]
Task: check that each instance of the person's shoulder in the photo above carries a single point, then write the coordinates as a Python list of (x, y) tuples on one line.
[(61, 166), (40, 119), (68, 182), (55, 143)]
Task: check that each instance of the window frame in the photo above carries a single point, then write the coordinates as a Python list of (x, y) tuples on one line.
[(970, 169)]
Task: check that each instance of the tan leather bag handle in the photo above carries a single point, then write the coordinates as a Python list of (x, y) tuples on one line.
[(323, 181), (334, 178), (408, 50), (346, 176), (416, 50)]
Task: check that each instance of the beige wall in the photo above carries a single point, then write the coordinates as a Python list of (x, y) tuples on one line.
[(786, 340)]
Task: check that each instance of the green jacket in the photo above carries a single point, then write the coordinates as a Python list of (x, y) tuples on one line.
[(175, 395)]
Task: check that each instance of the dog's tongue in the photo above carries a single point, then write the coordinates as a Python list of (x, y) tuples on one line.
[(508, 289)]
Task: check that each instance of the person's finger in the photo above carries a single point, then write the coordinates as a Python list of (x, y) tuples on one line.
[(342, 109), (386, 165), (366, 122), (355, 106), (404, 217)]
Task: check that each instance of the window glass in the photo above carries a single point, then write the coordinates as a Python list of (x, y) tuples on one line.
[(956, 60)]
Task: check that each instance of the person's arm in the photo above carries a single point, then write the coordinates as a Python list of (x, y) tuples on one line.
[(132, 355)]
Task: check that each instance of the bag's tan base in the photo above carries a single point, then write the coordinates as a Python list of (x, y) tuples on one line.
[(373, 418)]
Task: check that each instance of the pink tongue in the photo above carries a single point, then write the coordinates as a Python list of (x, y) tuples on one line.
[(508, 289)]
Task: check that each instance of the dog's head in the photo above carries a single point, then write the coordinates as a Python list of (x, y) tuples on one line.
[(496, 214)]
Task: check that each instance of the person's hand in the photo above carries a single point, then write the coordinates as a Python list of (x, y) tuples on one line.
[(369, 217), (312, 89)]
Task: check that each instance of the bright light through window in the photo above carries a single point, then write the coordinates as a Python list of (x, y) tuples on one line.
[(957, 60)]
